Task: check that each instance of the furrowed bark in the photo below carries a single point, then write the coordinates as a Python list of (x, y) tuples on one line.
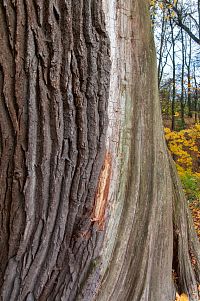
[(54, 94), (91, 206)]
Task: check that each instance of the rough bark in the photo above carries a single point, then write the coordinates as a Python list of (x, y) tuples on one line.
[(54, 84), (89, 210)]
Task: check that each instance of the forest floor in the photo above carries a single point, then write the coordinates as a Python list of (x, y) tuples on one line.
[(195, 209)]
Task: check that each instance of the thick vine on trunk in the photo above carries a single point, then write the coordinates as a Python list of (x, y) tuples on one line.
[(91, 206)]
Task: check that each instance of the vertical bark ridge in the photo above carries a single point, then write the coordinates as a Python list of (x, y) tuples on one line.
[(57, 54), (9, 15), (9, 176)]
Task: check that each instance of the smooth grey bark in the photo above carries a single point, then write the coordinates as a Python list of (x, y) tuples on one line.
[(90, 210)]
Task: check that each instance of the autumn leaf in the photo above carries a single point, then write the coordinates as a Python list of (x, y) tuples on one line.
[(184, 297)]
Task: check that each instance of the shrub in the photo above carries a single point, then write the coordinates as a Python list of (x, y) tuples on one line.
[(185, 149), (191, 185)]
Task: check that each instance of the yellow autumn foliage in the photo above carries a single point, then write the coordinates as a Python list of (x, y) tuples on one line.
[(184, 147), (185, 150), (163, 5), (182, 297)]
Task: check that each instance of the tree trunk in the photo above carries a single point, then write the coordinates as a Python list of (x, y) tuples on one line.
[(174, 75), (196, 96), (89, 210), (188, 65), (182, 101), (161, 46)]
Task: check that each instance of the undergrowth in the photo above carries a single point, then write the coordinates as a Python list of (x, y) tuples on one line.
[(185, 149)]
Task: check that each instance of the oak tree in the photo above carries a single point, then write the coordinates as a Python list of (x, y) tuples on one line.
[(91, 204)]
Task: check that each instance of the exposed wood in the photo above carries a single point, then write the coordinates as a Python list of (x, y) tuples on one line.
[(101, 197)]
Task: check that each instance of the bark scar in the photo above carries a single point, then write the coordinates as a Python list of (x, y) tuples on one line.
[(101, 197)]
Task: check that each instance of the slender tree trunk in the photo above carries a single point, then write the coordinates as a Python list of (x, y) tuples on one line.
[(189, 100), (188, 64), (196, 113), (182, 80), (174, 75), (90, 210), (162, 41), (199, 16)]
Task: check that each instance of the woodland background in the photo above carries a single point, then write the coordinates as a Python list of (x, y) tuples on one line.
[(176, 26)]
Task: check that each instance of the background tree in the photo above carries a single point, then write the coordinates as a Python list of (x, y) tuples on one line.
[(90, 211), (173, 73), (181, 50), (196, 96), (185, 12), (188, 58), (182, 101)]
